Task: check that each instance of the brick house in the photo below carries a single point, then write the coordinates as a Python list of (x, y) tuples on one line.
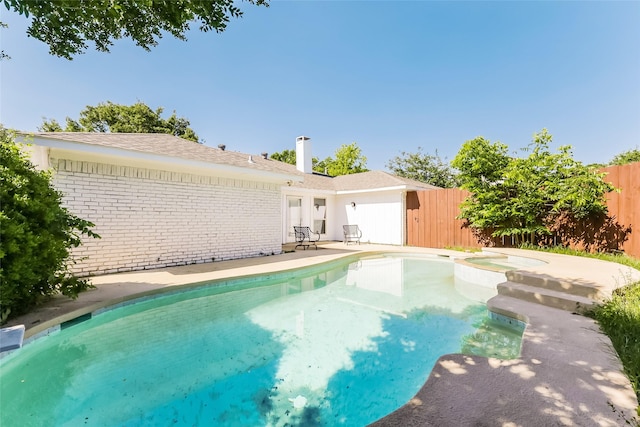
[(158, 200)]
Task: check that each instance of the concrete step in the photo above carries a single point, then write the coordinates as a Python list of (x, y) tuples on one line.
[(509, 307), (572, 287), (547, 297)]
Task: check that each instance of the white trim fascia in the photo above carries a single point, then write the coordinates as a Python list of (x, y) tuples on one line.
[(377, 190), (298, 190), (373, 190), (100, 154)]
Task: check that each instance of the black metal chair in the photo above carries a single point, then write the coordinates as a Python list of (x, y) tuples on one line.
[(305, 234), (352, 233)]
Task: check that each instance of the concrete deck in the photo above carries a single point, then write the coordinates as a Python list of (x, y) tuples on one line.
[(568, 373)]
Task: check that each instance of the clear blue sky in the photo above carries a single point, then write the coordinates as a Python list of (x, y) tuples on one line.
[(390, 76)]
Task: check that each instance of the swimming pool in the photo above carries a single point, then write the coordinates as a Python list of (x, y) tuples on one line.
[(339, 344)]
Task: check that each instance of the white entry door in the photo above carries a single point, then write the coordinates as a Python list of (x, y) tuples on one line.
[(294, 216)]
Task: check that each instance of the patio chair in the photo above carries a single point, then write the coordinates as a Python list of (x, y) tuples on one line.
[(352, 233), (305, 234)]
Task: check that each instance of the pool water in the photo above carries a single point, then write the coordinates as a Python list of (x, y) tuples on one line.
[(505, 262), (341, 344)]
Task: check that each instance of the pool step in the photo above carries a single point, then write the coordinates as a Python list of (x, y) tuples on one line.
[(571, 287), (11, 338), (547, 297)]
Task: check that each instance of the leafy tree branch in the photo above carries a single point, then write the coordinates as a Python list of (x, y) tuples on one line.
[(67, 25)]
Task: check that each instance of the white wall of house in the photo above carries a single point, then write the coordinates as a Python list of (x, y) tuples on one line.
[(380, 215), (150, 218)]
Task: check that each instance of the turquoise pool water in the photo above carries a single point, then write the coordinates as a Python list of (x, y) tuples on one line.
[(341, 344)]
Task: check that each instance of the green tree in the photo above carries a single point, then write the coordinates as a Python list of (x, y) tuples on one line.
[(286, 156), (67, 25), (289, 156), (528, 198), (629, 156), (322, 166), (116, 118), (481, 165), (37, 234), (348, 160), (423, 167)]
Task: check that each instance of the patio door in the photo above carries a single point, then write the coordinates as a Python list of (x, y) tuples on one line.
[(294, 216)]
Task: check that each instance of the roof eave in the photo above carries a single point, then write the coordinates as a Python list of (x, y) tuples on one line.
[(372, 190), (101, 153)]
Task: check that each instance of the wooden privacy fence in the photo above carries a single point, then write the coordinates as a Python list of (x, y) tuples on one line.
[(431, 219), (431, 214), (625, 205)]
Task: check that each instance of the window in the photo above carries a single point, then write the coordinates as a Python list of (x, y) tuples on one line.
[(319, 213)]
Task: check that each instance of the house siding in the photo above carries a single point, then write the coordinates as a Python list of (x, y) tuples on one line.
[(378, 215), (152, 218)]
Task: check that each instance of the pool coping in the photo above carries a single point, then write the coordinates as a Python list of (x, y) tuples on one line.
[(568, 372), (118, 288)]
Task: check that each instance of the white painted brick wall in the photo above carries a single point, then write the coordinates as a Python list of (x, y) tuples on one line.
[(152, 218)]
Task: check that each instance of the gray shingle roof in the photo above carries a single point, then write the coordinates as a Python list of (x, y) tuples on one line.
[(167, 145), (377, 179), (172, 146)]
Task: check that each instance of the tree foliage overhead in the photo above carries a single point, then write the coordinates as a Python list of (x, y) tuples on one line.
[(37, 234), (423, 167), (348, 160), (629, 156), (115, 118), (535, 198), (3, 55), (67, 25)]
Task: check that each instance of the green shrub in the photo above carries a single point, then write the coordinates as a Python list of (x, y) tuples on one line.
[(37, 234), (619, 318)]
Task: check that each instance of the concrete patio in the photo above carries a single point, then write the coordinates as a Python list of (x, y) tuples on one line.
[(567, 375)]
